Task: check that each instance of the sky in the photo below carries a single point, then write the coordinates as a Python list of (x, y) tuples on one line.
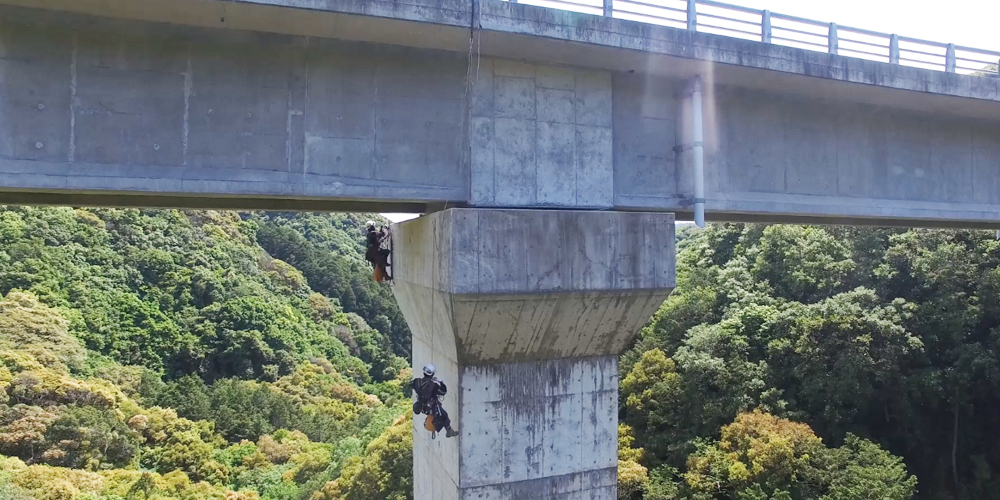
[(394, 217), (972, 23)]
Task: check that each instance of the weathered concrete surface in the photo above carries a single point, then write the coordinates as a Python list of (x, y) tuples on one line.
[(98, 111), (526, 32), (541, 135), (546, 429), (782, 158), (150, 109), (487, 252), (524, 313)]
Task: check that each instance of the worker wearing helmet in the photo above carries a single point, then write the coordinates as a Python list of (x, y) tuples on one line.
[(430, 390)]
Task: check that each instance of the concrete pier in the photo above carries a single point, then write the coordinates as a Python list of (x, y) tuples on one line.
[(524, 312)]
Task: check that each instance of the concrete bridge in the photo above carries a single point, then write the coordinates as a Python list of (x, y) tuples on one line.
[(485, 113), (408, 104)]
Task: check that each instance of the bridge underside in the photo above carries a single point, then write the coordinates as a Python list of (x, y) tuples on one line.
[(145, 200), (101, 111)]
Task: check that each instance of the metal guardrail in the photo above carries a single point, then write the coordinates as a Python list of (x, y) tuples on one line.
[(719, 18)]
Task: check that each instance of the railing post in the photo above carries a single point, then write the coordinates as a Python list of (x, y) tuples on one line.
[(893, 49), (832, 38), (765, 26), (609, 9), (693, 15), (949, 58)]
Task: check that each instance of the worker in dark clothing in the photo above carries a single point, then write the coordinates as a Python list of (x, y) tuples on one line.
[(429, 391), (373, 239), (374, 253)]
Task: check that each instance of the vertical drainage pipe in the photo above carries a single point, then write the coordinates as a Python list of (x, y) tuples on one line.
[(698, 149)]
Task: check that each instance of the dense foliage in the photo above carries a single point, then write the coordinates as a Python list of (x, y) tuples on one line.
[(875, 341), (167, 354), (190, 355)]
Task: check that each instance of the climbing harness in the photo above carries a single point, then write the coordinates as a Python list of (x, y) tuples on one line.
[(433, 420)]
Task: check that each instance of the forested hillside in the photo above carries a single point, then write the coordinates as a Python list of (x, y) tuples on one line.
[(188, 355), (878, 341), (171, 355)]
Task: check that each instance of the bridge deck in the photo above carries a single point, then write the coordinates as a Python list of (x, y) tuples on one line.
[(347, 105)]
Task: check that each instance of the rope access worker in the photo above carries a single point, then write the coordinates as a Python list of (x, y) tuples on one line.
[(429, 391), (374, 253)]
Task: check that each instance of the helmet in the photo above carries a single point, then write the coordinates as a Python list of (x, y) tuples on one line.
[(370, 224), (429, 370)]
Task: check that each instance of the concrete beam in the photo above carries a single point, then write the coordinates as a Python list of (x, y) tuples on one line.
[(99, 111), (526, 32), (524, 312)]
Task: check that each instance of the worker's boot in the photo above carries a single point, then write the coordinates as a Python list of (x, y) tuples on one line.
[(451, 432)]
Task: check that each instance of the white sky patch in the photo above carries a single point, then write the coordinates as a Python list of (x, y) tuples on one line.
[(972, 23), (396, 217)]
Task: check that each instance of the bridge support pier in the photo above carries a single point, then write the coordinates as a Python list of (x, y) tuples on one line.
[(524, 312)]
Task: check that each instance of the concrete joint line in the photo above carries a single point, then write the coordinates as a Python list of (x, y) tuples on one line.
[(688, 146)]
